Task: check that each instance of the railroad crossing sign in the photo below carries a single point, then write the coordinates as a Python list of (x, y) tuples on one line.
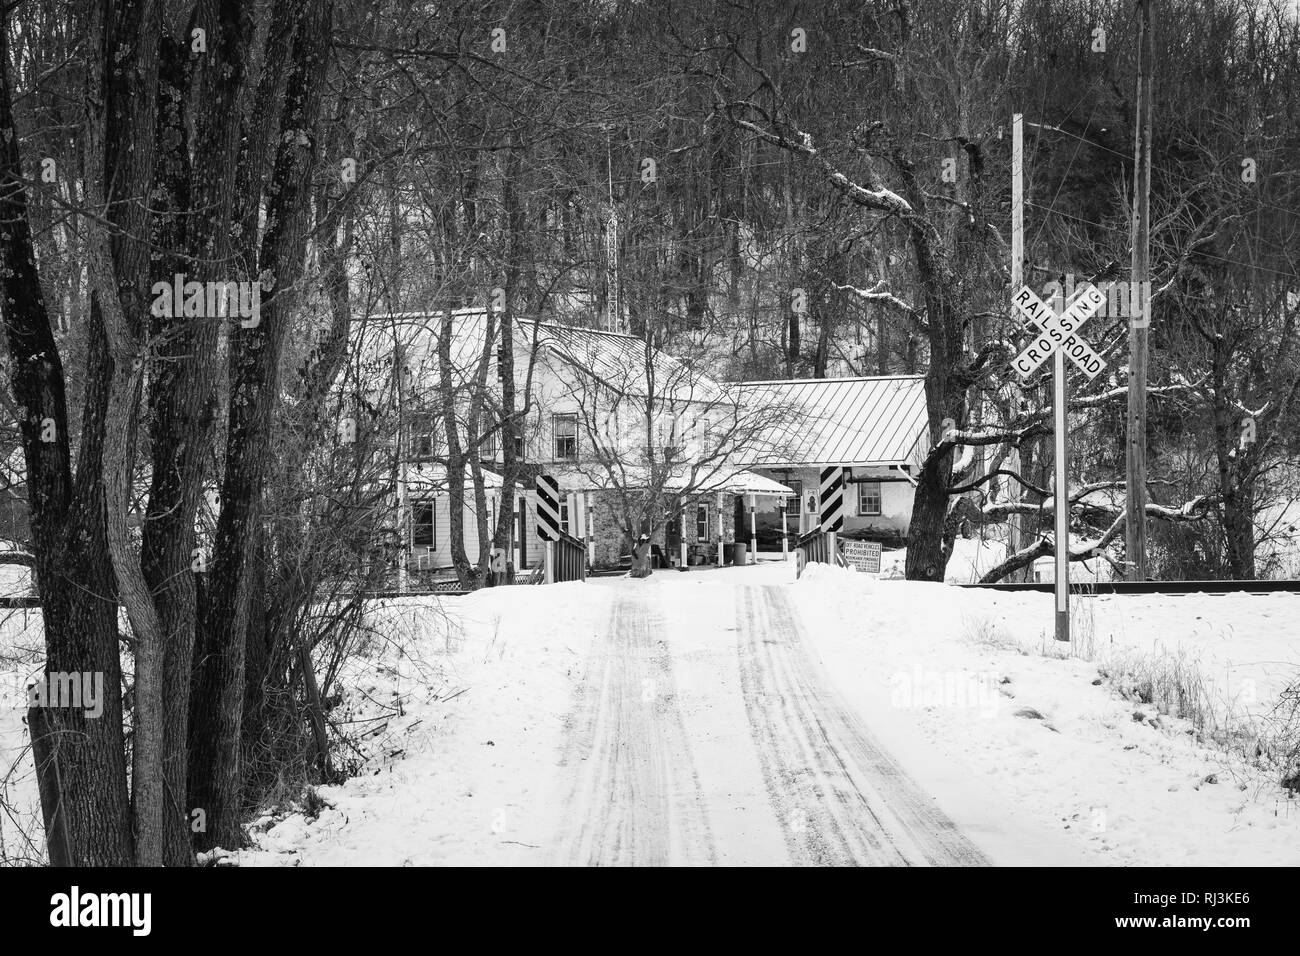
[(1059, 331), (831, 497), (1059, 336), (548, 508)]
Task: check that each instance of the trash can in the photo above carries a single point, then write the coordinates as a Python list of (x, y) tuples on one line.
[(739, 550)]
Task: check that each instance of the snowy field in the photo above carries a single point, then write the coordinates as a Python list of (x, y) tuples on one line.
[(486, 729)]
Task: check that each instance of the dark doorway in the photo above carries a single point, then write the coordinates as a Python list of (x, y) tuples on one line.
[(673, 536)]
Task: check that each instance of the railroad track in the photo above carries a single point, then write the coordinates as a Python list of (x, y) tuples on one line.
[(1150, 587)]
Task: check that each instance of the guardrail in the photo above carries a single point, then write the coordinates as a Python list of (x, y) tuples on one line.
[(1151, 587), (566, 559)]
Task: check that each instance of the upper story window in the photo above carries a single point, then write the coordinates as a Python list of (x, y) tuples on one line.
[(421, 435), (565, 429)]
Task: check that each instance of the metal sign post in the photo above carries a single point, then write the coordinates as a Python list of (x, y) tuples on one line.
[(1062, 494), (1058, 338)]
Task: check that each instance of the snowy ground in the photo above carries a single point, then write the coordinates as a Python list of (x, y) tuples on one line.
[(1128, 783), (738, 717), (937, 674)]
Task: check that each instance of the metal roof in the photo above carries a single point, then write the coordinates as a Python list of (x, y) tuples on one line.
[(843, 421), (621, 363)]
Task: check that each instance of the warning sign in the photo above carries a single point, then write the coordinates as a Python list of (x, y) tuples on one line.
[(862, 555)]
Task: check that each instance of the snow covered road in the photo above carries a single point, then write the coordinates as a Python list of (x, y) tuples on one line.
[(845, 800), (636, 795), (706, 731)]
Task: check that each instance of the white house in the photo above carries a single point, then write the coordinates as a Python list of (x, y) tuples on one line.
[(587, 426)]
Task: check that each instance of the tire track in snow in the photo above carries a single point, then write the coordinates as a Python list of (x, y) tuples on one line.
[(841, 798), (636, 797)]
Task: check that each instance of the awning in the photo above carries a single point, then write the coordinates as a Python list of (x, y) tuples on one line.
[(752, 483)]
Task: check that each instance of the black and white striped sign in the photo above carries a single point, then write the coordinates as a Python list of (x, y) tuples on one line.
[(831, 496), (548, 508)]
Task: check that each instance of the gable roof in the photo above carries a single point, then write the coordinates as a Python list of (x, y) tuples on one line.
[(844, 421)]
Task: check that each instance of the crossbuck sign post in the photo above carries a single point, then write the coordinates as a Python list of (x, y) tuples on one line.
[(1058, 338)]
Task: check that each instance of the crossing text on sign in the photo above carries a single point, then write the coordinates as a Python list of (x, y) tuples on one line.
[(1059, 331)]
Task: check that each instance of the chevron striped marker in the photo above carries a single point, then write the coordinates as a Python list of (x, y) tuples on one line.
[(831, 496), (548, 508)]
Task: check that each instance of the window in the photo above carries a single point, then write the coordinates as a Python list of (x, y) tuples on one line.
[(422, 527), (565, 430), (792, 503), (489, 446), (421, 436), (701, 522), (868, 497), (564, 515), (519, 447)]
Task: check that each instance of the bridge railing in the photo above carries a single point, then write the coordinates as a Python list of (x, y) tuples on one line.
[(566, 560), (817, 546)]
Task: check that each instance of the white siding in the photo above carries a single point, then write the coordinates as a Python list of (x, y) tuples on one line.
[(439, 556)]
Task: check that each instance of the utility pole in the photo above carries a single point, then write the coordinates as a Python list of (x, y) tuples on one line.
[(1135, 522), (614, 322), (1015, 535)]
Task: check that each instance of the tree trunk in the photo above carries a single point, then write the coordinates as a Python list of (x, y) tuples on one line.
[(217, 706), (455, 455), (79, 608)]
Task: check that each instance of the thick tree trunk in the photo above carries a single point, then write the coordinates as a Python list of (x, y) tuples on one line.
[(79, 608), (1239, 531), (640, 559), (200, 199), (216, 711)]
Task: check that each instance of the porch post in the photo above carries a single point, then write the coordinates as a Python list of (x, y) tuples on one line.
[(720, 562), (785, 532), (681, 537), (753, 530), (589, 525)]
